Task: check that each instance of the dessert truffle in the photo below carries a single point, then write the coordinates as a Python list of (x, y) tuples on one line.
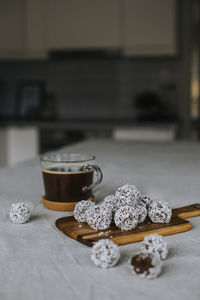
[(146, 265), (147, 200), (159, 211), (110, 202), (99, 217), (155, 243), (105, 254), (19, 213), (80, 210), (141, 211), (127, 194), (126, 218)]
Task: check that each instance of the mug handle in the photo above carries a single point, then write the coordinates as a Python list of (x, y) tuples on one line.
[(99, 176)]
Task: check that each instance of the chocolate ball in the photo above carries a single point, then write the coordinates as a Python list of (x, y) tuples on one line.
[(155, 243), (110, 202), (99, 217), (147, 200), (159, 211), (105, 254), (141, 211), (19, 213), (80, 210), (126, 218), (127, 194), (146, 265)]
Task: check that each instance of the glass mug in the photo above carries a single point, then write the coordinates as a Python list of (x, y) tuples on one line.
[(69, 177)]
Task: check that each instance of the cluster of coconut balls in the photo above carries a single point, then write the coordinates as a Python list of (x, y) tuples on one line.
[(127, 208), (146, 264)]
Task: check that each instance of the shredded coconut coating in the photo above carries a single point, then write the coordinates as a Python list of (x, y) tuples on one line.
[(19, 213), (159, 211), (99, 217), (105, 254), (80, 210), (147, 200), (127, 194), (126, 218), (110, 202), (155, 243), (141, 211), (146, 265)]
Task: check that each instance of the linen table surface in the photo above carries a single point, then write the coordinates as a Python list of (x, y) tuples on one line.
[(38, 262)]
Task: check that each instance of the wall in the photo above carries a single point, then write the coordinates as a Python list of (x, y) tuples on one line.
[(102, 88), (94, 88)]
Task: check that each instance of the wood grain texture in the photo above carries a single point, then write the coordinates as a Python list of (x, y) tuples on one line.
[(85, 235)]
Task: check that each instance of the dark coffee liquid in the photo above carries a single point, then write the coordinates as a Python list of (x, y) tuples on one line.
[(65, 184)]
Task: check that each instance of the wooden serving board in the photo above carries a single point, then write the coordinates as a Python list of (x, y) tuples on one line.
[(82, 233)]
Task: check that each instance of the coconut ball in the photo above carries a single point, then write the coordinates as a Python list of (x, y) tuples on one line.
[(126, 218), (105, 254), (110, 202), (159, 211), (146, 265), (141, 211), (99, 217), (19, 213), (147, 200), (155, 243), (127, 194), (81, 209)]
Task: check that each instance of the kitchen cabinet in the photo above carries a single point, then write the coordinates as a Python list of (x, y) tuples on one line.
[(81, 24), (70, 24), (17, 144), (21, 29), (11, 28), (149, 27), (137, 27), (33, 28)]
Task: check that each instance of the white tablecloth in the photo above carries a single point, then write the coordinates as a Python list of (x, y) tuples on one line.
[(39, 262)]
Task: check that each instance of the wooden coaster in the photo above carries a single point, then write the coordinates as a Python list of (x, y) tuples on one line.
[(61, 206)]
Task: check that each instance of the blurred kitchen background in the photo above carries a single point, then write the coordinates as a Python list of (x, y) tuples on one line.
[(72, 70)]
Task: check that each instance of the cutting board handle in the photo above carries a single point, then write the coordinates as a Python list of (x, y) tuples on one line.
[(188, 211)]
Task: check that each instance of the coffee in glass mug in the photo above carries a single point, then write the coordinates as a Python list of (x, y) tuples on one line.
[(69, 177)]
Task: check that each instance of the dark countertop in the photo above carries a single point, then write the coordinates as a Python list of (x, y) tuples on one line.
[(84, 124)]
